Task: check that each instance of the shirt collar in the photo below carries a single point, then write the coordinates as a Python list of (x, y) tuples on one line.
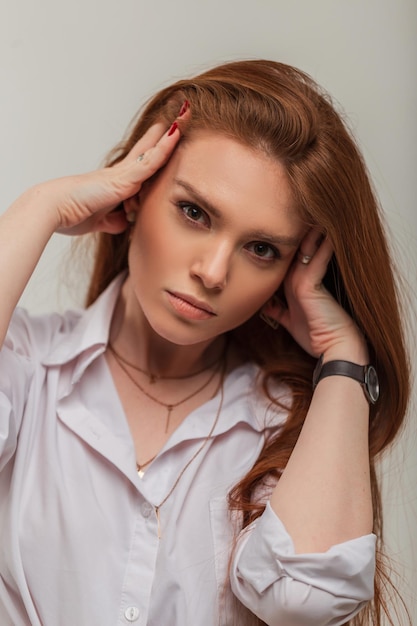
[(86, 337)]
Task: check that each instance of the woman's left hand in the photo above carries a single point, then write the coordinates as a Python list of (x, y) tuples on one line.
[(313, 317)]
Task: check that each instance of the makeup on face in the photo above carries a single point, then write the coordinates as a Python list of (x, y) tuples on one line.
[(215, 234)]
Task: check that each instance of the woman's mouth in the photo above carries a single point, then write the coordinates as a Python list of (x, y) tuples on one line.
[(190, 307)]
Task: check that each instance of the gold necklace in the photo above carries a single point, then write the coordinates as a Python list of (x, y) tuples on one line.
[(139, 468), (195, 455), (154, 377), (169, 406)]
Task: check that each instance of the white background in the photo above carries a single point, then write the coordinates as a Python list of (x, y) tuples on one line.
[(73, 74)]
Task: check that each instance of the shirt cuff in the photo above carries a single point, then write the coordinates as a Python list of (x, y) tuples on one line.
[(342, 577)]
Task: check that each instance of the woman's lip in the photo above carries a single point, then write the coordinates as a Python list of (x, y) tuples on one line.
[(199, 304)]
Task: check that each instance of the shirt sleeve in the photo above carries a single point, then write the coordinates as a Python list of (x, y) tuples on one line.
[(15, 376), (27, 339), (285, 588)]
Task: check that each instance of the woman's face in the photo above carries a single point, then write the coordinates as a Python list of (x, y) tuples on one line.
[(215, 234)]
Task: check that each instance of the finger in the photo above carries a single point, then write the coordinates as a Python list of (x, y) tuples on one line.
[(147, 141), (324, 252), (314, 255), (155, 157), (309, 246), (155, 133), (126, 179), (312, 280)]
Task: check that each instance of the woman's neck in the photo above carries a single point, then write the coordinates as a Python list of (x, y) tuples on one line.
[(132, 336)]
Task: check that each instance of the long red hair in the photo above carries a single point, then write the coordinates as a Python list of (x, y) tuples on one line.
[(280, 110)]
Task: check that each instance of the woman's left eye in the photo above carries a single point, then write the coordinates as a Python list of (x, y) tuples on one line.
[(193, 212), (263, 251)]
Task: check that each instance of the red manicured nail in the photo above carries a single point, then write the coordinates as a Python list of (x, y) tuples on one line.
[(172, 129), (184, 108)]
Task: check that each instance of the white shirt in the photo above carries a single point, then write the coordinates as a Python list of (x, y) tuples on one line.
[(79, 532)]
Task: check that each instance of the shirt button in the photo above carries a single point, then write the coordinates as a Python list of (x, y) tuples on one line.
[(132, 613), (146, 509)]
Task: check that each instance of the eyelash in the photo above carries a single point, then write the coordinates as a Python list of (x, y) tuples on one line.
[(184, 206), (262, 258)]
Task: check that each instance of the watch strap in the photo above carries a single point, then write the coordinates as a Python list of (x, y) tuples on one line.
[(340, 368), (364, 374)]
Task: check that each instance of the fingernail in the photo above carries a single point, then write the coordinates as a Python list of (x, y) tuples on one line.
[(172, 129), (184, 108)]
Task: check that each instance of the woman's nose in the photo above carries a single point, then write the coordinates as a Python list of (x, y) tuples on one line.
[(212, 265)]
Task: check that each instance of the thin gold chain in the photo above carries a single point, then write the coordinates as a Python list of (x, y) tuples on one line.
[(170, 406), (195, 455), (142, 465), (154, 377)]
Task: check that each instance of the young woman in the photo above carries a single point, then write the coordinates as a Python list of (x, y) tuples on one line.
[(198, 445)]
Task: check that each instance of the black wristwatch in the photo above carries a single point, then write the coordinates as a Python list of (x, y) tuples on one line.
[(365, 374)]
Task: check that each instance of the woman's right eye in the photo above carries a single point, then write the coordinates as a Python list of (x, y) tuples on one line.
[(193, 213)]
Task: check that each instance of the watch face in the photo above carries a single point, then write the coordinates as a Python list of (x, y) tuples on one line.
[(372, 383)]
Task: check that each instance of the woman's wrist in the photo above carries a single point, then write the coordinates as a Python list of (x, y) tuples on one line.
[(349, 361), (36, 206), (354, 351)]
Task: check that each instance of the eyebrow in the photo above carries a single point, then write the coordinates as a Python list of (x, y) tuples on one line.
[(284, 240)]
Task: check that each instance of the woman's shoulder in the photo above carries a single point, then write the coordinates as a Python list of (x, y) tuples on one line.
[(63, 335), (29, 334)]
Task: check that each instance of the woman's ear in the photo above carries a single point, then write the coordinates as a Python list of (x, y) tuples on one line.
[(131, 207), (118, 220), (271, 311)]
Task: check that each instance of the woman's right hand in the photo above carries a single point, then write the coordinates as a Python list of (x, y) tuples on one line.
[(85, 203)]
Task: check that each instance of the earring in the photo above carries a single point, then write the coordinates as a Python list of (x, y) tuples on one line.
[(271, 321), (131, 217)]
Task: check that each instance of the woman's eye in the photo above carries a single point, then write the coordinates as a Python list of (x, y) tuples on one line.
[(193, 212), (263, 251)]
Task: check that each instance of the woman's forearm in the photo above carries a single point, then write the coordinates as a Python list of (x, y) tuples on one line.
[(324, 494), (25, 229)]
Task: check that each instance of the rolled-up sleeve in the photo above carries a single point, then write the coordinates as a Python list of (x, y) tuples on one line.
[(287, 589), (15, 375)]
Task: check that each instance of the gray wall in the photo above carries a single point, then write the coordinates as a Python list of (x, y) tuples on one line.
[(73, 74)]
